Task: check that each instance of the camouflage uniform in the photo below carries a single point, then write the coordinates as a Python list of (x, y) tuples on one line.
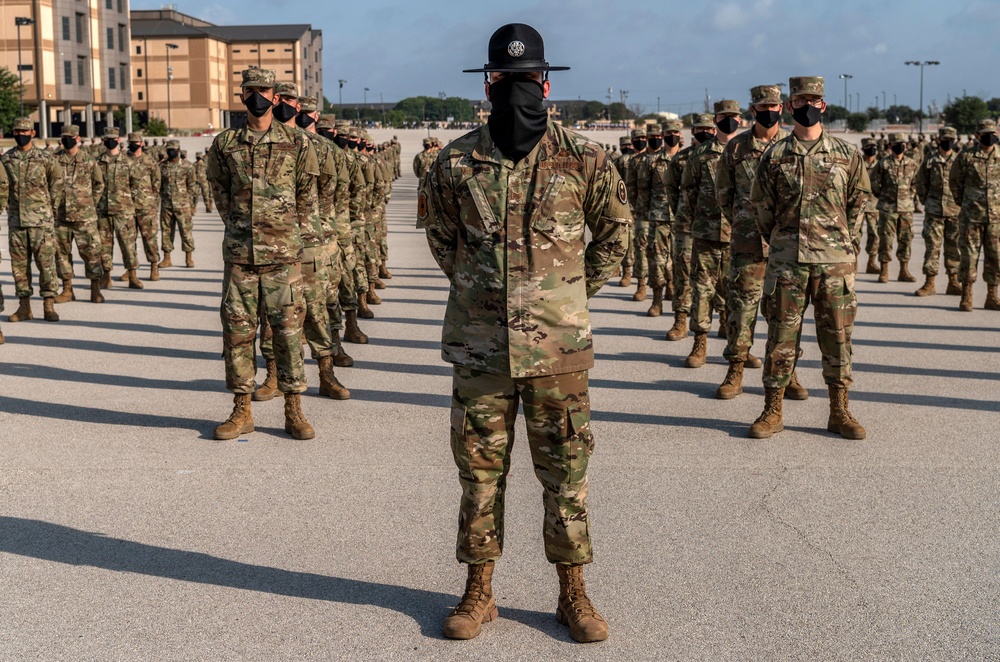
[(355, 279), (200, 185), (626, 166), (892, 183), (83, 184), (510, 238), (177, 185), (35, 185), (423, 160), (682, 233), (146, 180), (941, 210), (116, 211), (637, 181), (657, 203), (4, 194)]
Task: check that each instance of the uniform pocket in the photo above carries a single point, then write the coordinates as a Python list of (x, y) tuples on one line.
[(580, 441)]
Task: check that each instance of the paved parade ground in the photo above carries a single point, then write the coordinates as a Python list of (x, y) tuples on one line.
[(127, 532)]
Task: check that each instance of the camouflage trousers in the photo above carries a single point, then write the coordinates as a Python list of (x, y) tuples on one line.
[(360, 262), (149, 230), (371, 249), (640, 244), (710, 264), (872, 242), (88, 243), (37, 243), (682, 272), (788, 289), (175, 220), (893, 225), (658, 254), (746, 280), (940, 230), (316, 327), (342, 294), (976, 238), (202, 190), (557, 416), (383, 231), (122, 227), (629, 258), (274, 291)]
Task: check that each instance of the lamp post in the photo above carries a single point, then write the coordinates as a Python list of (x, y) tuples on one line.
[(922, 64), (847, 100), (20, 21), (340, 94), (170, 77), (884, 107)]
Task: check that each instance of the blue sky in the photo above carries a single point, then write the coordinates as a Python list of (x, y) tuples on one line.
[(667, 49)]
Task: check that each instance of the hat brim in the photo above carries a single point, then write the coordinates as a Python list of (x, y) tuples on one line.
[(508, 69)]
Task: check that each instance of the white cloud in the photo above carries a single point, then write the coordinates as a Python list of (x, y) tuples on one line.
[(729, 16), (881, 48)]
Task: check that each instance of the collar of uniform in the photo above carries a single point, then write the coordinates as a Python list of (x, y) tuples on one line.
[(822, 145), (486, 149), (269, 137), (980, 153)]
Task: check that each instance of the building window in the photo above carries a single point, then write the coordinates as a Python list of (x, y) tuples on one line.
[(270, 50), (236, 50), (289, 71), (138, 73), (108, 4), (288, 50), (79, 28), (68, 72), (317, 57), (111, 38), (317, 77), (138, 50), (123, 76), (121, 37), (253, 50), (121, 7), (111, 75), (65, 26), (81, 70), (140, 96)]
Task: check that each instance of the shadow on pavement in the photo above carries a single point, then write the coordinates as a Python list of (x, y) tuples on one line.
[(141, 328), (115, 348), (80, 414), (62, 544), (29, 371)]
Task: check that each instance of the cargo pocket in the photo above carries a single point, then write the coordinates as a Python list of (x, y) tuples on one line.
[(459, 436), (580, 441)]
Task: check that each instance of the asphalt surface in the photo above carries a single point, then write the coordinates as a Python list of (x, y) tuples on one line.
[(126, 532)]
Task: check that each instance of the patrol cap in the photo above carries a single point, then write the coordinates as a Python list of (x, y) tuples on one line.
[(986, 126), (868, 142), (309, 104), (71, 130), (135, 137), (624, 140), (354, 134), (325, 121), (516, 47), (727, 107), (673, 125), (112, 132), (703, 121), (428, 142), (257, 77), (184, 153), (342, 125), (23, 124), (897, 138), (436, 140), (173, 144), (639, 132), (654, 130), (287, 90), (199, 155), (802, 85), (947, 132), (765, 94)]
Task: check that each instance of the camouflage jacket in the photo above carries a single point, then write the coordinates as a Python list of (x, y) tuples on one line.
[(356, 189), (177, 185), (511, 239), (932, 187), (265, 191), (632, 185), (698, 189), (35, 188), (622, 166), (975, 183), (737, 168), (368, 195), (117, 198), (339, 205), (892, 183), (809, 203), (326, 192), (678, 207), (83, 185), (422, 162), (4, 188), (655, 194), (146, 181), (199, 171)]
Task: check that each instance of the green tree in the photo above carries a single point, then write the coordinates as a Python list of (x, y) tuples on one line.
[(857, 122), (835, 112), (964, 112), (155, 127), (994, 105), (900, 114), (10, 99), (873, 113)]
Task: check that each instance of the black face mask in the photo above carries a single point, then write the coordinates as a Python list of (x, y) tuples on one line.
[(728, 125), (627, 149), (988, 139), (173, 154), (283, 112), (655, 143), (257, 104), (807, 115), (703, 136), (639, 145), (518, 120), (898, 148), (946, 144), (134, 147), (341, 141), (22, 140), (353, 144), (767, 118), (869, 151), (326, 133), (69, 142), (110, 143), (303, 120), (672, 141)]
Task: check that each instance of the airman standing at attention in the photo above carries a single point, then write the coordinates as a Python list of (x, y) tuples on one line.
[(625, 165), (201, 184), (637, 182), (660, 217), (4, 194), (869, 155), (941, 216), (702, 127), (146, 180), (116, 211), (892, 183), (176, 189)]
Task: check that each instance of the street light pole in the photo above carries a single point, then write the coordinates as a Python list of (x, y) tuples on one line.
[(847, 100), (366, 96), (922, 64), (170, 77), (340, 93), (21, 21)]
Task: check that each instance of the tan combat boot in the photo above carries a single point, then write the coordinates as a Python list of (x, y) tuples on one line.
[(904, 274), (23, 311), (770, 420), (269, 387), (124, 277), (696, 358), (329, 385), (106, 280), (165, 262), (927, 288), (373, 298), (679, 330), (364, 312), (189, 260), (352, 332), (383, 272), (640, 292), (295, 421), (795, 390), (477, 605), (723, 324), (575, 608), (883, 274), (668, 290), (95, 292), (154, 272), (379, 285), (872, 267), (341, 359), (656, 309), (841, 422), (239, 422), (2, 341), (965, 305), (954, 287), (992, 302), (133, 280), (67, 292), (49, 309), (626, 277), (732, 385), (752, 362)]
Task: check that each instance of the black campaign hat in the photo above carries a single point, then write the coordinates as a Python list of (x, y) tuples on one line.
[(516, 47)]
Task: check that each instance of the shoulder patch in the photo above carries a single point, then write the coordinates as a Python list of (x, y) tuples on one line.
[(622, 192), (422, 210)]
